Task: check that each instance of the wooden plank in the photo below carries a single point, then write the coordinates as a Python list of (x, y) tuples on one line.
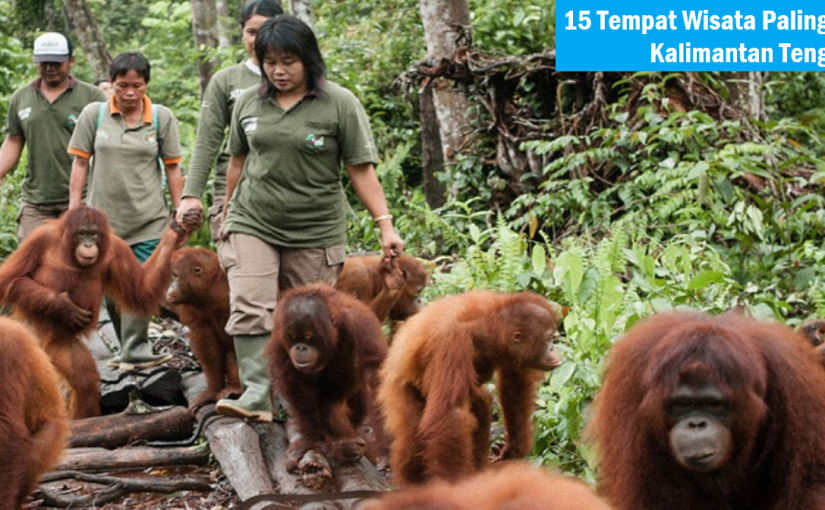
[(236, 446)]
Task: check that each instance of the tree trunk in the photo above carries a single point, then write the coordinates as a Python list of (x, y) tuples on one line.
[(441, 19), (226, 25), (432, 155), (205, 33), (746, 91), (303, 11), (88, 35)]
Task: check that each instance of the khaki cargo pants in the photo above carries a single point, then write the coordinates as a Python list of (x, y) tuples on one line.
[(258, 272), (32, 216)]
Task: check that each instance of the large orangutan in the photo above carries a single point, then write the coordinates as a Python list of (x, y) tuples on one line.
[(391, 288), (32, 414), (508, 486), (717, 413), (432, 393), (55, 282), (200, 293), (324, 355)]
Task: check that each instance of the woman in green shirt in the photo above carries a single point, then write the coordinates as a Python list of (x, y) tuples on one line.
[(129, 128), (285, 221), (216, 111)]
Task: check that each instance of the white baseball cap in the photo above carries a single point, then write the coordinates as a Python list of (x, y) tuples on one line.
[(52, 47)]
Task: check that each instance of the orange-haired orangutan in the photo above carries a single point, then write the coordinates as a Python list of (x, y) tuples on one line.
[(324, 355), (432, 392), (200, 293), (55, 282), (713, 412), (32, 414), (392, 288), (508, 486)]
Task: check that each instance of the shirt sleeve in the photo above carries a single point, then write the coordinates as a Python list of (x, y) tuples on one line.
[(13, 126), (358, 145), (98, 95), (170, 150), (212, 125)]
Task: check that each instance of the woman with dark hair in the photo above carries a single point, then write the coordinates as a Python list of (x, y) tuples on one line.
[(216, 112), (128, 137), (285, 221), (105, 86)]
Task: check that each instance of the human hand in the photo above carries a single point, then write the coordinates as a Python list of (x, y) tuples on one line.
[(187, 222), (186, 207), (391, 244)]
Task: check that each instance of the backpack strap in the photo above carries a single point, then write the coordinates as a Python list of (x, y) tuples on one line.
[(156, 122), (101, 111)]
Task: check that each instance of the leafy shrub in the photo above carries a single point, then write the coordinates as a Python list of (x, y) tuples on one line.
[(608, 284)]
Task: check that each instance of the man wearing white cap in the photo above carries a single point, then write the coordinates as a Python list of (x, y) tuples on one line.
[(43, 115)]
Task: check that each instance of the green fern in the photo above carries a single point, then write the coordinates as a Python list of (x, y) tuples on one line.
[(817, 297), (512, 251)]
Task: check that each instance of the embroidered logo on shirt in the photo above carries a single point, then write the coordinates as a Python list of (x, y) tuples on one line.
[(249, 125), (314, 142), (24, 113), (71, 120), (234, 93), (149, 136)]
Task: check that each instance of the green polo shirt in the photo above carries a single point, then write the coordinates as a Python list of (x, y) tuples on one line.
[(290, 191), (126, 179), (47, 128), (216, 112)]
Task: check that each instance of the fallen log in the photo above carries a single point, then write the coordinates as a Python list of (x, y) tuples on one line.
[(359, 476), (127, 427), (101, 459), (253, 458), (115, 488), (289, 501), (274, 443), (236, 446)]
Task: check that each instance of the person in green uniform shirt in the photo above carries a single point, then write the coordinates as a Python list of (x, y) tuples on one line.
[(129, 137), (285, 220), (216, 112), (42, 116)]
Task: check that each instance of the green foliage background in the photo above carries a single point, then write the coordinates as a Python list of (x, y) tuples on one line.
[(681, 228)]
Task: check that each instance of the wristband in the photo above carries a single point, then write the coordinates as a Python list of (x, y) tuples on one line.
[(382, 218)]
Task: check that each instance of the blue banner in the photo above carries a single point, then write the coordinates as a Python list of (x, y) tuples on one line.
[(607, 35)]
